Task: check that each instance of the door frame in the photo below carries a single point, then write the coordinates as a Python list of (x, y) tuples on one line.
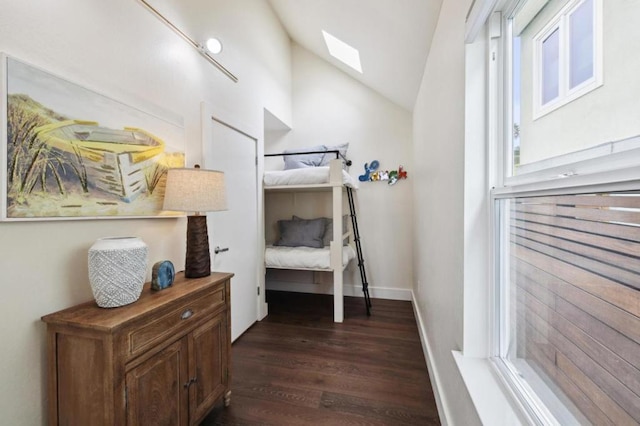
[(235, 121)]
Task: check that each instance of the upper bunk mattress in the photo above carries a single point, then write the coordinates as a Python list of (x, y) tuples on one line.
[(305, 176)]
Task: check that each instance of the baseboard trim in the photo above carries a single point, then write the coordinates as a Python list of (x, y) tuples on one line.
[(436, 382), (348, 289)]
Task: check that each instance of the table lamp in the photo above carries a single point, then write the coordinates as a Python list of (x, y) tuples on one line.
[(196, 191)]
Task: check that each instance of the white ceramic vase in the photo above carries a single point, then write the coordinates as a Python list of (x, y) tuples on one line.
[(117, 270)]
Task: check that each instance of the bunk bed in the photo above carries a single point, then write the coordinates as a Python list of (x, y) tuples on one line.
[(292, 250)]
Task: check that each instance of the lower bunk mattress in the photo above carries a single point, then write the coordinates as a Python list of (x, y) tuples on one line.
[(313, 259)]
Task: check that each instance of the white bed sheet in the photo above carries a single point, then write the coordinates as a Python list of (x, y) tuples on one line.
[(304, 257), (305, 176)]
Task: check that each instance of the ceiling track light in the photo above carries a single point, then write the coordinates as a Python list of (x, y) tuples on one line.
[(201, 49), (214, 46)]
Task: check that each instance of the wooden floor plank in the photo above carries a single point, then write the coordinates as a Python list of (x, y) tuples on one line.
[(256, 388), (246, 411), (298, 367), (388, 414), (275, 357), (381, 390)]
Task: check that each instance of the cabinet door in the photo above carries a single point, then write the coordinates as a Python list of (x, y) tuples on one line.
[(208, 364), (157, 389)]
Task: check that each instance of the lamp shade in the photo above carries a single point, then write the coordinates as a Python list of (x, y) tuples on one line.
[(195, 190)]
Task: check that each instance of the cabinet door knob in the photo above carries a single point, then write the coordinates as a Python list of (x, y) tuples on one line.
[(190, 382), (186, 314)]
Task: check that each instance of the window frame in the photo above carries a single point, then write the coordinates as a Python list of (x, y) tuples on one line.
[(585, 167), (588, 171), (566, 94)]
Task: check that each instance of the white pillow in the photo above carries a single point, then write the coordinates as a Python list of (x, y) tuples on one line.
[(303, 160)]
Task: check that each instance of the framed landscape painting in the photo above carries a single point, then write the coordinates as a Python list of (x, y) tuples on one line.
[(71, 153)]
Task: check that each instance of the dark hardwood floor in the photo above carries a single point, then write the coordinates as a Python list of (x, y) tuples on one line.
[(298, 367)]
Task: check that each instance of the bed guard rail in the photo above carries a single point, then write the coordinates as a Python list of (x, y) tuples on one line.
[(336, 152)]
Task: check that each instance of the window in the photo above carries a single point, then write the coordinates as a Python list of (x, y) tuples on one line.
[(554, 52), (566, 207), (581, 44), (550, 65), (566, 55), (571, 292)]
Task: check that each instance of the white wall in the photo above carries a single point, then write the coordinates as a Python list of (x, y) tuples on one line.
[(438, 138), (331, 108), (120, 49), (606, 114)]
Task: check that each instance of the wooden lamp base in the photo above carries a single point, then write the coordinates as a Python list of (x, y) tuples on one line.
[(198, 260)]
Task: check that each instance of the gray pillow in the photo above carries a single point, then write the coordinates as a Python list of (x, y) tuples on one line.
[(328, 231), (327, 236), (295, 233), (332, 156), (303, 160)]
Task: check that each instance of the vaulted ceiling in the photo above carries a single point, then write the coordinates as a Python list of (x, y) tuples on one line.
[(392, 36)]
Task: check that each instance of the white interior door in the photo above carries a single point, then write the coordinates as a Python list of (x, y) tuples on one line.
[(234, 152)]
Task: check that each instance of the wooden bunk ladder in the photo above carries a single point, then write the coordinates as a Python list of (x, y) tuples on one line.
[(356, 236)]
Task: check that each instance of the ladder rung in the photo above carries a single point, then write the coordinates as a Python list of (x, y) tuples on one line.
[(356, 238)]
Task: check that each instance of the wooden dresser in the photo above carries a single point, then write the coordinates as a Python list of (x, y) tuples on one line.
[(163, 360)]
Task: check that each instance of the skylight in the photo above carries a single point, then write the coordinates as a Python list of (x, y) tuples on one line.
[(342, 51)]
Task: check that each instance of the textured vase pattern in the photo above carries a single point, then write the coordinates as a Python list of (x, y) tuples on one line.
[(117, 270)]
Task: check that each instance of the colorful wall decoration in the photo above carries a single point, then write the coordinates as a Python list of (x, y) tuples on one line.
[(373, 174)]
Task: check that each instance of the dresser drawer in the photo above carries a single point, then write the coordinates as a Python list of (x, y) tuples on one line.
[(170, 323)]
